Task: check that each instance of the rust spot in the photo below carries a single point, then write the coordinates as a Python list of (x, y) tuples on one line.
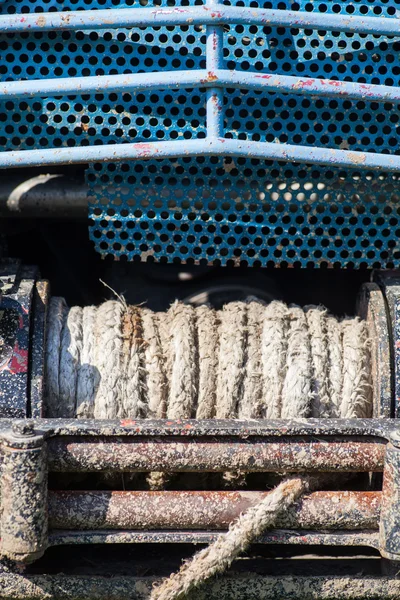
[(304, 83), (66, 18), (357, 158), (145, 150), (331, 82), (127, 422), (41, 22)]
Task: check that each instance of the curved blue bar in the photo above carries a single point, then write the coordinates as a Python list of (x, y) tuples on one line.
[(197, 15), (201, 147)]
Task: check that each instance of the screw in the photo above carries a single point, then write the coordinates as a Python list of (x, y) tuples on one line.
[(23, 428)]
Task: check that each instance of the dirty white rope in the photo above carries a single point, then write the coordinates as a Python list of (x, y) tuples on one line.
[(219, 556), (246, 361)]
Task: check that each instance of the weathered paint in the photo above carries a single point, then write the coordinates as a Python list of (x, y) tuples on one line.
[(213, 76), (201, 147), (197, 15)]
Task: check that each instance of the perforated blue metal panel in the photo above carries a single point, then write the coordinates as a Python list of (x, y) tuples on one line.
[(215, 208)]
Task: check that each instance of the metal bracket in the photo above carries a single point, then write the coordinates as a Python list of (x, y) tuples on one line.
[(24, 521), (23, 306), (389, 281), (17, 284), (389, 530)]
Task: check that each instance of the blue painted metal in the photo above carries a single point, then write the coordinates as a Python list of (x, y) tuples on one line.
[(210, 146), (230, 193), (201, 78), (200, 15), (214, 56), (300, 217)]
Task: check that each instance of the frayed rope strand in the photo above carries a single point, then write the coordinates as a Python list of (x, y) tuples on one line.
[(219, 556)]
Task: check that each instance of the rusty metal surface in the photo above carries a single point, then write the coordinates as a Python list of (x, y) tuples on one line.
[(229, 454), (245, 586), (77, 510), (191, 445)]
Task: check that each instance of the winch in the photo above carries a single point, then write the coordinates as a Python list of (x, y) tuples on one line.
[(183, 419)]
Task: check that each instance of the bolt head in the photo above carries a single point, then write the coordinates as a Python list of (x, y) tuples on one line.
[(395, 438), (23, 428)]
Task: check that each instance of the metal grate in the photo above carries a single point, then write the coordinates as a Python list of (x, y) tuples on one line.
[(231, 192)]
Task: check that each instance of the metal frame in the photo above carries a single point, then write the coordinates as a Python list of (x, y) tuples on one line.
[(31, 448), (215, 79)]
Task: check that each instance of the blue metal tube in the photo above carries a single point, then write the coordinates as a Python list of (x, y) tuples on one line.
[(98, 84), (199, 78), (197, 15), (203, 147), (215, 95)]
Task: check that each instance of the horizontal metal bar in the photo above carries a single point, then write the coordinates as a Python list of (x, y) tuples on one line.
[(339, 538), (201, 147), (104, 83), (309, 429), (238, 585), (82, 510), (197, 15), (211, 455), (135, 82)]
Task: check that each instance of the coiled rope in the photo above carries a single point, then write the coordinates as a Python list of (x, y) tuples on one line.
[(248, 360)]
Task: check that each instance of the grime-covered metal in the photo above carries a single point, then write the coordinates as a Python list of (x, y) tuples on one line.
[(390, 524), (24, 520), (188, 454), (77, 510), (240, 586), (41, 296), (33, 446), (350, 518)]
